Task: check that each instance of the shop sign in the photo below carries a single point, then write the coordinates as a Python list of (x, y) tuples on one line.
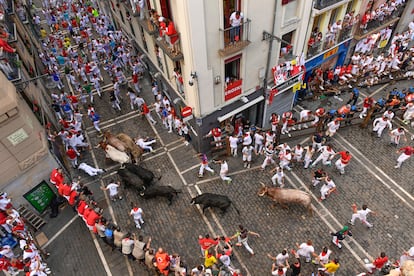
[(289, 82), (17, 137), (233, 90), (331, 52)]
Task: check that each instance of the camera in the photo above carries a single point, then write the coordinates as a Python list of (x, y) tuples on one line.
[(193, 75)]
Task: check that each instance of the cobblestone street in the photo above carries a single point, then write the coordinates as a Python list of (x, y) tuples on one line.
[(370, 178)]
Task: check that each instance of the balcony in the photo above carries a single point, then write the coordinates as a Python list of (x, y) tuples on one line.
[(171, 45), (10, 64), (378, 23), (317, 46), (235, 39), (147, 24)]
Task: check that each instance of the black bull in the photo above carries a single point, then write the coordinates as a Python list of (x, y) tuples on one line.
[(162, 191), (131, 180), (208, 200), (146, 176)]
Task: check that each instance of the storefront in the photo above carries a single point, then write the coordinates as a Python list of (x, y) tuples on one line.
[(328, 59)]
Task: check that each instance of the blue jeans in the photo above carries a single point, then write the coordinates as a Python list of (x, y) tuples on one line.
[(234, 31)]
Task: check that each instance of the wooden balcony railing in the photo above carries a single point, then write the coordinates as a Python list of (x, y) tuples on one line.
[(235, 38)]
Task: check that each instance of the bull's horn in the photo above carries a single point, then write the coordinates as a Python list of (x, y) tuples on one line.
[(97, 146), (263, 185)]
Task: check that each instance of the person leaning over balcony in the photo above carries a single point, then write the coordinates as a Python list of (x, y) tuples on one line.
[(171, 37), (236, 19)]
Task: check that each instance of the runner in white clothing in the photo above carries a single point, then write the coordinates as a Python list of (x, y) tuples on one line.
[(379, 124), (137, 213), (361, 215), (396, 135), (113, 190), (327, 153)]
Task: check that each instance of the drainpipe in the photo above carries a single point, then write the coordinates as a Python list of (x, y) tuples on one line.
[(269, 55)]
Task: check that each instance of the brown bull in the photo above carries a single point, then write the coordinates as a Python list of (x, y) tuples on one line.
[(132, 148), (286, 196), (115, 142)]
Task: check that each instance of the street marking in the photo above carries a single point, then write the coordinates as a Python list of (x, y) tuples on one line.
[(128, 115), (117, 122), (207, 222), (189, 169), (366, 161), (59, 232), (328, 213), (111, 212), (213, 215), (101, 255)]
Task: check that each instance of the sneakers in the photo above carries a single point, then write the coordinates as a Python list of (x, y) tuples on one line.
[(245, 165), (350, 222), (200, 176), (248, 166), (212, 173), (229, 181)]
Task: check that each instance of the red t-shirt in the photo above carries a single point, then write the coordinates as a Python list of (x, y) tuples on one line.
[(81, 207), (71, 153), (379, 262), (345, 157), (407, 150), (205, 243), (145, 109)]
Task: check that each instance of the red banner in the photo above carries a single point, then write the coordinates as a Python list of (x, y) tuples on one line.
[(233, 89), (273, 93)]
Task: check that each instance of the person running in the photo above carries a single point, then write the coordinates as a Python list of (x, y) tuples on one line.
[(242, 237), (396, 135), (361, 215), (137, 213), (113, 190), (204, 165), (340, 236), (380, 124), (342, 162), (377, 264), (406, 153), (326, 156), (224, 169), (327, 188), (279, 177)]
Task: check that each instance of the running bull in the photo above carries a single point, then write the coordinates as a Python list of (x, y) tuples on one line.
[(208, 200), (286, 196), (162, 191), (131, 180)]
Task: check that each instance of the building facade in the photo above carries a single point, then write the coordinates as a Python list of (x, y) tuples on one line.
[(225, 64), (25, 158)]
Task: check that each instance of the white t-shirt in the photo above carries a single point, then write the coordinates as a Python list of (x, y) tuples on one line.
[(233, 141), (224, 167), (363, 213), (305, 250), (136, 213), (280, 258), (234, 21), (258, 139), (113, 189)]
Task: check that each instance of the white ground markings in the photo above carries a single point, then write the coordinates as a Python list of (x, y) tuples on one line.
[(188, 188), (111, 212), (379, 174)]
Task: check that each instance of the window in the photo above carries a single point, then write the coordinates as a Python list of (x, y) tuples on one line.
[(166, 9), (286, 45), (232, 68), (334, 14), (233, 82), (230, 6)]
